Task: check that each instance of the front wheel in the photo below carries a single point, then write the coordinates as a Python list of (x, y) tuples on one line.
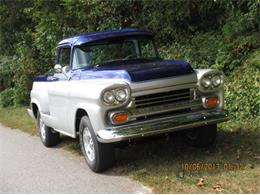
[(48, 136), (201, 136), (99, 156)]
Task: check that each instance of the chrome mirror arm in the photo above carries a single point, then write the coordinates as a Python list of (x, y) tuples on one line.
[(64, 70)]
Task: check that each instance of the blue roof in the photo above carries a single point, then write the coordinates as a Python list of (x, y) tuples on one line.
[(101, 35)]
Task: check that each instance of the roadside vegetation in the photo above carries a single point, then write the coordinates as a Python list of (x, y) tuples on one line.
[(161, 163), (209, 34), (230, 166), (17, 118)]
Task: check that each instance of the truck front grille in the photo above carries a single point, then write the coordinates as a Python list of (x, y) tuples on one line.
[(162, 98), (164, 103)]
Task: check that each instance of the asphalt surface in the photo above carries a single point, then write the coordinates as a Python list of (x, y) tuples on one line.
[(26, 166)]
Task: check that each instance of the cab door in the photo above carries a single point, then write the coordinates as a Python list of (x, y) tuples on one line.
[(58, 92)]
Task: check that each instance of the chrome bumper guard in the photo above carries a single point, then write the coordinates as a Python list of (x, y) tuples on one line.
[(30, 112), (161, 125)]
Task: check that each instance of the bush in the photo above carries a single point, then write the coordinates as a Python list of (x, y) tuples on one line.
[(208, 34), (242, 91), (200, 50), (21, 95), (7, 97), (233, 53), (6, 72)]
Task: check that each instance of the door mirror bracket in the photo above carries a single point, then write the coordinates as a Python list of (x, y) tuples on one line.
[(64, 70)]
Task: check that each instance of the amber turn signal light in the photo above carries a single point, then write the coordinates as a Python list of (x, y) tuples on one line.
[(121, 117), (212, 102)]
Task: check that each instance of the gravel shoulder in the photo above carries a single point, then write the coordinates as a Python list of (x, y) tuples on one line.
[(26, 166)]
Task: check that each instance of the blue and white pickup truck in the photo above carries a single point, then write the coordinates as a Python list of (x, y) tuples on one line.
[(112, 86)]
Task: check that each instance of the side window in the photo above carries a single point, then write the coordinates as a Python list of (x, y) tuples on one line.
[(64, 59)]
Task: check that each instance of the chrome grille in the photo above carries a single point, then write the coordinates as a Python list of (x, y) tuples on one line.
[(169, 102), (162, 98)]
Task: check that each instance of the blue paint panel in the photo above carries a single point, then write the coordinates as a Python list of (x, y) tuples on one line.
[(131, 72), (42, 78), (152, 70), (50, 77), (101, 35)]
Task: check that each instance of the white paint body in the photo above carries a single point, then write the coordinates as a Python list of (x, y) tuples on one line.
[(59, 101)]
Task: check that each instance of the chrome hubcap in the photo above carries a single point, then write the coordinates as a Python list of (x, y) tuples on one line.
[(42, 129), (88, 144)]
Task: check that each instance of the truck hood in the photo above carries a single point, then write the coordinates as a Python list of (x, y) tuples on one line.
[(131, 72), (145, 71)]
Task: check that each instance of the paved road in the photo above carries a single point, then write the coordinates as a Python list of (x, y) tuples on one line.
[(26, 166)]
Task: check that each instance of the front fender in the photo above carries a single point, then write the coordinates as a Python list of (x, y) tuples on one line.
[(95, 113)]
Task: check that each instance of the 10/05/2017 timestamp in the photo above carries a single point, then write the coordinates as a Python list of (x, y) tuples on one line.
[(197, 166)]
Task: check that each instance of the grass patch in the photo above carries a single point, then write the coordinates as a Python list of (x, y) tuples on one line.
[(71, 145), (158, 163), (17, 118)]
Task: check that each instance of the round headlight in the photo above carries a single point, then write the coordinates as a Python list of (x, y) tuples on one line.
[(121, 95), (216, 80), (109, 97), (205, 82)]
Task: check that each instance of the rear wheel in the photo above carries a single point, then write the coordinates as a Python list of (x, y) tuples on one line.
[(99, 156), (48, 136), (201, 136)]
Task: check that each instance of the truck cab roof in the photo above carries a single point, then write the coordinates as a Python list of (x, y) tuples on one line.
[(89, 37)]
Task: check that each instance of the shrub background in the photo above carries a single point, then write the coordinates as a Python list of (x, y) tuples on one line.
[(208, 34)]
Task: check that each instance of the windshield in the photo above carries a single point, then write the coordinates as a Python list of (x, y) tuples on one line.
[(114, 50)]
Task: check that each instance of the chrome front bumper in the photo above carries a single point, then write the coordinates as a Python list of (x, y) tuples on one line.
[(161, 125), (30, 112)]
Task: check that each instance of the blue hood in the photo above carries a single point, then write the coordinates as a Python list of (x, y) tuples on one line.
[(150, 70), (133, 72)]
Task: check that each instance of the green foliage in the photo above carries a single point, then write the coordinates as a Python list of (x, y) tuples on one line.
[(208, 34), (233, 53), (7, 97), (243, 19), (13, 22), (243, 90), (6, 71), (200, 50)]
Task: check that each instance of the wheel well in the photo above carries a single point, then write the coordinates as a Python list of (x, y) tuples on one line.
[(35, 109), (79, 114)]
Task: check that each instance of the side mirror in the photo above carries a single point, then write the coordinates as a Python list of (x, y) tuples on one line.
[(58, 68)]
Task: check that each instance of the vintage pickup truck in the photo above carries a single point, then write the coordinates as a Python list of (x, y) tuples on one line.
[(112, 86)]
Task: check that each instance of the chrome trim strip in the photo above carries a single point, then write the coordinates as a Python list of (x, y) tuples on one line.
[(161, 101), (160, 109), (163, 89), (177, 82), (166, 96), (162, 125)]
